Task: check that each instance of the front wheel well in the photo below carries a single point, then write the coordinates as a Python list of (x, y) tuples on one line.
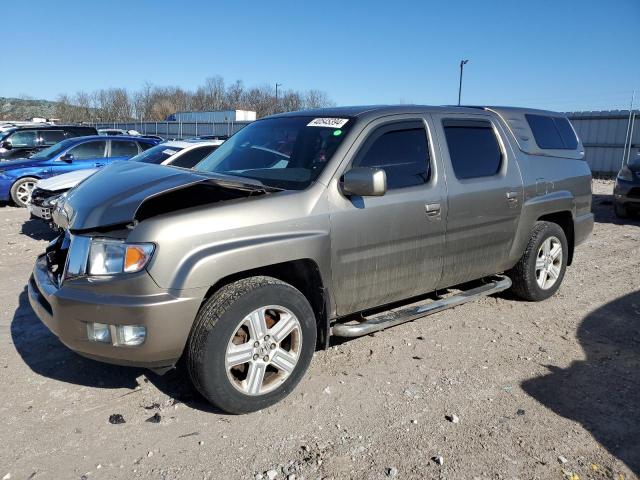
[(565, 221), (302, 274)]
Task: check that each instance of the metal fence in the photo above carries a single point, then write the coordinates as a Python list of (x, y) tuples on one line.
[(179, 130), (605, 135)]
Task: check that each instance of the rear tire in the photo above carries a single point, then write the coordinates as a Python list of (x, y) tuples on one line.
[(540, 271), (621, 210), (251, 344), (21, 190)]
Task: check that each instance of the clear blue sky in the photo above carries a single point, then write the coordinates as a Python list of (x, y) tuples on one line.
[(558, 54)]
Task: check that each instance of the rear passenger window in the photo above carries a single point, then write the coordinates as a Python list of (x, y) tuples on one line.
[(473, 148), (123, 148), (552, 133), (402, 151), (51, 137)]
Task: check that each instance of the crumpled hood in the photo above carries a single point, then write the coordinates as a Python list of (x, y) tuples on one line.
[(113, 195), (66, 180), (20, 163)]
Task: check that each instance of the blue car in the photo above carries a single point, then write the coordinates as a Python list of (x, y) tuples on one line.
[(18, 177)]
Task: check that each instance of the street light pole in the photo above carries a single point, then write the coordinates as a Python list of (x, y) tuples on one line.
[(462, 64), (277, 85)]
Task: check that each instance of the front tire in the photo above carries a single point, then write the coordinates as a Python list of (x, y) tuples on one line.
[(251, 344), (540, 271), (621, 210), (21, 190)]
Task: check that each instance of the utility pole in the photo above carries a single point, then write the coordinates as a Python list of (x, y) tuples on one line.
[(628, 136), (277, 85), (462, 64)]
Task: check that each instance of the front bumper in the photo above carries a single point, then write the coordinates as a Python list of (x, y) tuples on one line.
[(626, 192), (167, 316)]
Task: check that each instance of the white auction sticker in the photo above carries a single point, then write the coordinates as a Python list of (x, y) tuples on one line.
[(328, 122), (169, 152)]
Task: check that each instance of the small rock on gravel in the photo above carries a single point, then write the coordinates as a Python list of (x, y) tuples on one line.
[(453, 418), (271, 474), (327, 390), (520, 412), (7, 476), (391, 472), (562, 459), (438, 459), (155, 418), (116, 419)]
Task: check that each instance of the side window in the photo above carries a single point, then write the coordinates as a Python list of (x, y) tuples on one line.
[(50, 137), (145, 146), (552, 133), (23, 139), (473, 148), (193, 157), (123, 148), (402, 151), (89, 150)]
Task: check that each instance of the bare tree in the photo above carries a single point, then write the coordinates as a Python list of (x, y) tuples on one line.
[(156, 103)]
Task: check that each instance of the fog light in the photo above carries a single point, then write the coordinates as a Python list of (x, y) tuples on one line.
[(131, 334), (98, 332)]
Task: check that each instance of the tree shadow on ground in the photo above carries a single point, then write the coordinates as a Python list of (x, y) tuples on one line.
[(602, 393), (45, 354)]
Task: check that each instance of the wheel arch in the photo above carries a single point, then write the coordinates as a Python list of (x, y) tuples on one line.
[(564, 219), (303, 274)]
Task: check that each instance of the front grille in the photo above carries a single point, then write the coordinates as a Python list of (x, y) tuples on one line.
[(39, 195)]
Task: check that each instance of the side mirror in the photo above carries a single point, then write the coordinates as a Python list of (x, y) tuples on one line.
[(364, 182), (67, 157), (6, 145)]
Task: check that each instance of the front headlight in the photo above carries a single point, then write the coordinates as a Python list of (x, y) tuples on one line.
[(108, 256), (625, 174)]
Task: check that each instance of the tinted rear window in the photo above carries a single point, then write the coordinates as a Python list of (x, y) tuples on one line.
[(552, 133), (473, 148)]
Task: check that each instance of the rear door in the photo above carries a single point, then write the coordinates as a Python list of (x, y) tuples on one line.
[(121, 150), (485, 195), (389, 248)]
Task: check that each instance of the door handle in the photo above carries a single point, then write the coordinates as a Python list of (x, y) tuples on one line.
[(433, 210), (98, 164), (512, 198)]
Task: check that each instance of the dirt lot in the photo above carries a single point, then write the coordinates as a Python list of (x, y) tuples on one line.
[(533, 386)]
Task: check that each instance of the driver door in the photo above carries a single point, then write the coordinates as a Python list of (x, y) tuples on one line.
[(89, 154), (389, 248)]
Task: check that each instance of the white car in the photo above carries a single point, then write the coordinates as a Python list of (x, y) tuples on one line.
[(178, 153)]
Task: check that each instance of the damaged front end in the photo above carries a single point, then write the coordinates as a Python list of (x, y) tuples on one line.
[(128, 192)]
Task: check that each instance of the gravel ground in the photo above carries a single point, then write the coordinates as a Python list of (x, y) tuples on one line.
[(545, 390)]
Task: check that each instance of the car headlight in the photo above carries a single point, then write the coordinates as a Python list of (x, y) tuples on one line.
[(108, 256), (625, 174)]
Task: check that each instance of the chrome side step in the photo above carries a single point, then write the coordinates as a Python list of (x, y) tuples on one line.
[(392, 318)]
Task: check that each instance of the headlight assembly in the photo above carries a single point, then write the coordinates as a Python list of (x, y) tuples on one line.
[(625, 174), (109, 257), (105, 256)]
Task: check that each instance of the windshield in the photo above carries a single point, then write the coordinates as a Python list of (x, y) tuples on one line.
[(6, 133), (157, 154), (53, 150), (285, 152)]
